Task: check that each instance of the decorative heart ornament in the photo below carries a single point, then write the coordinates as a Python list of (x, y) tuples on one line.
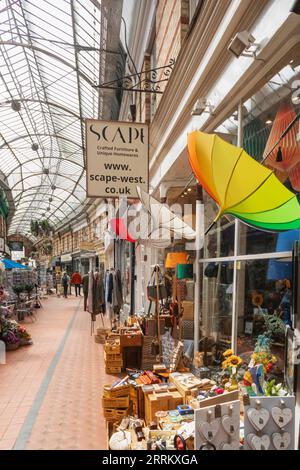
[(258, 418), (209, 429), (234, 445), (259, 442), (281, 416), (229, 424), (281, 441)]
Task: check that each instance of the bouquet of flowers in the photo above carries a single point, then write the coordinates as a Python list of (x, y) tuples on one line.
[(231, 365), (231, 362)]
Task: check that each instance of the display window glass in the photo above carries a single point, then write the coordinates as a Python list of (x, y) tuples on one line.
[(216, 302), (248, 292), (263, 304)]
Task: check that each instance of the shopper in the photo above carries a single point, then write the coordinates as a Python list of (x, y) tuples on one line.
[(76, 280), (65, 283)]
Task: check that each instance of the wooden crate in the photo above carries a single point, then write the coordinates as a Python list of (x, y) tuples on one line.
[(164, 401), (131, 340), (114, 414), (120, 402), (113, 357), (113, 370), (225, 397), (99, 339), (122, 391), (112, 346)]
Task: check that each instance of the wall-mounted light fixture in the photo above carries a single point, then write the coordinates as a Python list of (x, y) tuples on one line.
[(243, 44), (201, 106)]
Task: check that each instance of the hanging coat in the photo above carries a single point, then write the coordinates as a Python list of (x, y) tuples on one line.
[(98, 294), (109, 286), (117, 296), (90, 292)]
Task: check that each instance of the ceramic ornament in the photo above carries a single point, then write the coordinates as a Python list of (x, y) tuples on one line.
[(229, 424), (259, 442), (281, 441), (209, 429), (281, 416), (258, 417), (234, 445)]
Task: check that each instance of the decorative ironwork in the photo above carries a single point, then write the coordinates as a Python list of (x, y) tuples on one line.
[(146, 81)]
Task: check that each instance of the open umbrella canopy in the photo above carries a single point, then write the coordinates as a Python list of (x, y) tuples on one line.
[(241, 186), (10, 264)]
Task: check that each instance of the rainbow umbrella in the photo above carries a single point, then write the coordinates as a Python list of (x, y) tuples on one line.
[(241, 186)]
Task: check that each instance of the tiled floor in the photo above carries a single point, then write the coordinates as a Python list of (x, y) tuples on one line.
[(50, 393)]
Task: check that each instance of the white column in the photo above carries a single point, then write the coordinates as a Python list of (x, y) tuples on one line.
[(234, 324), (199, 244)]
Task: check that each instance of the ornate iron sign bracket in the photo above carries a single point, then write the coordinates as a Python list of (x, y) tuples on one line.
[(147, 81)]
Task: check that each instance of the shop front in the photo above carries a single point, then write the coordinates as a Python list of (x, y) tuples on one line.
[(66, 263)]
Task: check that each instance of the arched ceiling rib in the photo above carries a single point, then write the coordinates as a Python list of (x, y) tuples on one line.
[(50, 55)]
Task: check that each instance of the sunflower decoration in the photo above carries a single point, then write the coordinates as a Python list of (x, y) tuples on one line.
[(232, 362)]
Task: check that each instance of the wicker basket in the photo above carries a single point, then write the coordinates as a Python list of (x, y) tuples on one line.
[(11, 347)]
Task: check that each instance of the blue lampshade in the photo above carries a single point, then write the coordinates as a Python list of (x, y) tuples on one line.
[(283, 269)]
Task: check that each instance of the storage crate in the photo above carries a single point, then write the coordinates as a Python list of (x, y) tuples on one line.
[(112, 346), (112, 357), (112, 414), (122, 391), (113, 370), (131, 340), (99, 339), (119, 414), (120, 402), (118, 363)]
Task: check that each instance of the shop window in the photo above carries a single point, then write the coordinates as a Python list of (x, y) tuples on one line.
[(219, 242), (216, 304), (264, 296)]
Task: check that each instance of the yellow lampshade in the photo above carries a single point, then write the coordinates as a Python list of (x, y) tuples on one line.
[(175, 258)]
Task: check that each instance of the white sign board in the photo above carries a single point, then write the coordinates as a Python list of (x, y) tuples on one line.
[(117, 158)]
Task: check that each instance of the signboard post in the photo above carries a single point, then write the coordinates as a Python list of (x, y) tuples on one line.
[(117, 158)]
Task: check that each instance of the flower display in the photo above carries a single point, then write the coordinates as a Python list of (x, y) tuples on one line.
[(12, 333), (232, 362)]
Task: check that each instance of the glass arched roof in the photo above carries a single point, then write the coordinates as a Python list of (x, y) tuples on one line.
[(51, 54)]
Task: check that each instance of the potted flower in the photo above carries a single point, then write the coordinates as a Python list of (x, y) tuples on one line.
[(231, 365), (11, 340), (25, 338), (28, 289)]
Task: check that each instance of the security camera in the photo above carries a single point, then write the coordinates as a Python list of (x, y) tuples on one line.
[(241, 43), (199, 107)]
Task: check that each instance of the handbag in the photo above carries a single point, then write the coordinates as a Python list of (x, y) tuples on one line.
[(152, 288), (211, 270)]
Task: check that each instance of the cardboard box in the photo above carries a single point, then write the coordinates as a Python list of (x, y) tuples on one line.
[(188, 310)]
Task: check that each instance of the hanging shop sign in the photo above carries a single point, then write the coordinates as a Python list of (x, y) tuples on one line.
[(116, 158)]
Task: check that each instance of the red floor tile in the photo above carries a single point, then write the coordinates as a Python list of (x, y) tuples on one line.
[(70, 414)]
